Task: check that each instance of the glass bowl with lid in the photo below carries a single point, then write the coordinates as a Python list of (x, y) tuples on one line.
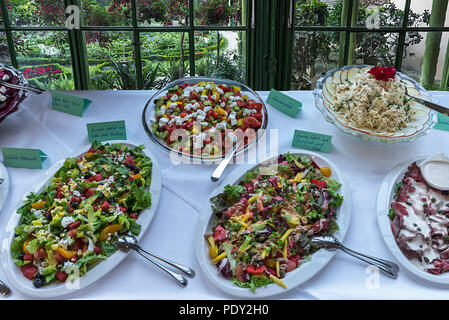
[(234, 102), (325, 94)]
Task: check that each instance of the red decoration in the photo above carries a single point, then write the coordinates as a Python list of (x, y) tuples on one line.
[(383, 73)]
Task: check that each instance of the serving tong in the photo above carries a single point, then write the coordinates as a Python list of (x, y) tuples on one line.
[(332, 243), (130, 242), (20, 87), (429, 104)]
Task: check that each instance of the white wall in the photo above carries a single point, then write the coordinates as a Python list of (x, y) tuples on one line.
[(414, 62)]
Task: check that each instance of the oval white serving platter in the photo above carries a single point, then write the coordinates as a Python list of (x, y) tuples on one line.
[(15, 276), (384, 200), (4, 187), (294, 278)]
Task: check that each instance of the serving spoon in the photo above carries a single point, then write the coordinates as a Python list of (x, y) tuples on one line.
[(218, 172), (332, 243), (130, 242), (18, 86), (4, 290), (429, 104)]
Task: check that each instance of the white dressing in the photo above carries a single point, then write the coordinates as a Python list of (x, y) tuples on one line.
[(435, 171)]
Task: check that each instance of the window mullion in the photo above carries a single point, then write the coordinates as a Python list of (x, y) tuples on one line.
[(136, 47), (80, 45), (402, 35), (7, 30), (349, 34), (191, 38)]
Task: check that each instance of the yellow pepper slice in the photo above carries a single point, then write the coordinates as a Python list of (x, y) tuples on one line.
[(25, 244), (89, 154), (136, 176), (221, 111), (66, 253), (219, 257), (286, 234), (278, 268), (213, 249), (111, 229), (278, 281), (39, 205)]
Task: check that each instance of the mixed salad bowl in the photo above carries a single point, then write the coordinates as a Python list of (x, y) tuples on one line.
[(199, 118)]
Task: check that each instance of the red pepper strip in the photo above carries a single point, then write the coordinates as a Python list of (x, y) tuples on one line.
[(255, 270), (320, 184), (315, 165)]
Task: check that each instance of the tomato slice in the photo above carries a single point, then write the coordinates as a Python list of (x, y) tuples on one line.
[(255, 270)]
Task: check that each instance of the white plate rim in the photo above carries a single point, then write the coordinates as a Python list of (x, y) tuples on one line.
[(384, 200), (4, 187), (13, 273), (293, 279)]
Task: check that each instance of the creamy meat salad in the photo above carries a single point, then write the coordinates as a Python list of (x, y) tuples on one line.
[(420, 220)]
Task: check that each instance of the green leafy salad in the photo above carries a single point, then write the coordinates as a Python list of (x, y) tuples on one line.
[(264, 224), (67, 228)]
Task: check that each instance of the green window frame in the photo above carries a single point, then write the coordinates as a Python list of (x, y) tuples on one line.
[(269, 26), (78, 44), (347, 29)]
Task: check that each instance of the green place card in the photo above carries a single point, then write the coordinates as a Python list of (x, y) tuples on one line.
[(69, 104), (23, 158), (284, 103), (102, 131), (312, 141), (443, 122)]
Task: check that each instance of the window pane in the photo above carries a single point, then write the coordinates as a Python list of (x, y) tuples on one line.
[(423, 8), (317, 13), (220, 12), (163, 12), (374, 14), (221, 54), (44, 58), (314, 54), (111, 62), (4, 52), (163, 60), (37, 13), (107, 12), (376, 48), (414, 52)]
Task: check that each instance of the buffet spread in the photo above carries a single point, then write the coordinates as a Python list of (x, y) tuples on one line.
[(254, 236)]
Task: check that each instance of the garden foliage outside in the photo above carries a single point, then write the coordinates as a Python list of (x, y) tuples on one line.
[(316, 52), (44, 56)]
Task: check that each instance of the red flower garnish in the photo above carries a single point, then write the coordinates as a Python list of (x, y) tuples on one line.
[(383, 73)]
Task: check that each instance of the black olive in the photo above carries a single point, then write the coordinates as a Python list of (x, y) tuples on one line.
[(21, 255), (48, 216), (75, 205), (136, 170), (101, 195), (38, 282)]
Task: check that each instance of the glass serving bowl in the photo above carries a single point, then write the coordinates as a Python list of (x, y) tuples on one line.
[(13, 96), (324, 95), (148, 118)]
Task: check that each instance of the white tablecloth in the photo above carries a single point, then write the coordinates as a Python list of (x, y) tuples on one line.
[(364, 165)]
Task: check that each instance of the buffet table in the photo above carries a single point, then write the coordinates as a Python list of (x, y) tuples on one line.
[(186, 189)]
